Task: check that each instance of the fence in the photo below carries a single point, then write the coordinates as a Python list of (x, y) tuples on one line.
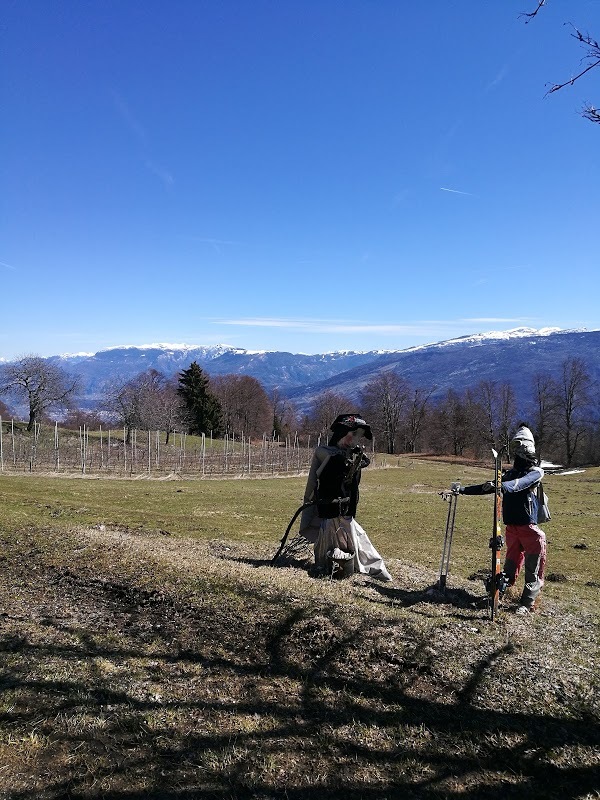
[(50, 449)]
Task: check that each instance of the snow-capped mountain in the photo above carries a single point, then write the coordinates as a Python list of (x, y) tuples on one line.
[(513, 355), (284, 370), (482, 338)]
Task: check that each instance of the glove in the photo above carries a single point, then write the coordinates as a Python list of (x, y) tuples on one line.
[(488, 487), (456, 488)]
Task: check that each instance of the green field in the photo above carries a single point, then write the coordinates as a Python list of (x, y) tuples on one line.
[(149, 650), (400, 509)]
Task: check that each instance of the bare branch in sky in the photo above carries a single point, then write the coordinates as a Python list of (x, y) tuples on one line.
[(591, 60), (533, 14)]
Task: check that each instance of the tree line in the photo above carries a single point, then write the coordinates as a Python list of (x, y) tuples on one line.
[(560, 408), (190, 401)]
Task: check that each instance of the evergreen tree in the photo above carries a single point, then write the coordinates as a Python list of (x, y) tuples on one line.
[(203, 410)]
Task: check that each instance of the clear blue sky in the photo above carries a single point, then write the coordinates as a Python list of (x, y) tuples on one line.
[(303, 175)]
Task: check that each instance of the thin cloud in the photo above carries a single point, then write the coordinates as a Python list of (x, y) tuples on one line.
[(8, 266), (420, 328), (164, 174), (493, 320), (452, 130), (139, 133), (502, 73), (215, 241), (455, 191), (131, 121), (216, 244), (317, 325)]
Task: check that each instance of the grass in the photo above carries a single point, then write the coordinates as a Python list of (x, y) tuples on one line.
[(400, 508), (148, 650)]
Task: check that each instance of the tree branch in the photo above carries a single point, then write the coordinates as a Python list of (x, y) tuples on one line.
[(533, 14), (591, 113), (556, 86), (592, 56)]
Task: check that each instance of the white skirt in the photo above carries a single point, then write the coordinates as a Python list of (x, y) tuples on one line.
[(345, 535)]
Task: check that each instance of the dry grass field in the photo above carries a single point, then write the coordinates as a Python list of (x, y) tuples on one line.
[(148, 649)]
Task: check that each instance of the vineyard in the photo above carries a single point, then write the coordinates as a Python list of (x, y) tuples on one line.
[(124, 453)]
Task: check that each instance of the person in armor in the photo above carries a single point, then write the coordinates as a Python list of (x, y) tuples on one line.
[(341, 546), (525, 541)]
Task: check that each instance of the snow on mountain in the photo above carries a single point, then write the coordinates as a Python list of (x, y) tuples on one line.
[(211, 350), (501, 357), (513, 356), (479, 338)]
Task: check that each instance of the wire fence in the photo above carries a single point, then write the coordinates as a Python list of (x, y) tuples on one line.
[(48, 448)]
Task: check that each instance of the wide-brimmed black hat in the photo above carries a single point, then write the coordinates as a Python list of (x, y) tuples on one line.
[(351, 422)]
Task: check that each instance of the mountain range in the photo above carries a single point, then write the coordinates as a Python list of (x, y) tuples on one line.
[(513, 356)]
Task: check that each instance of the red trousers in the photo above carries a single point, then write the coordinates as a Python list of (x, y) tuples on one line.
[(526, 545)]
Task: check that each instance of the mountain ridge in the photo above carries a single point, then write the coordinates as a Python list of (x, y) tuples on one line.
[(220, 348), (513, 356)]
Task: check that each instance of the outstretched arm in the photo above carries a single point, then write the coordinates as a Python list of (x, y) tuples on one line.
[(534, 476), (480, 488)]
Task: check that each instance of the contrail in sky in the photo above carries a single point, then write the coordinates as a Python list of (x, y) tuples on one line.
[(454, 191)]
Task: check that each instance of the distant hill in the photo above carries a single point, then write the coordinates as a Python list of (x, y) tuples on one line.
[(286, 371), (514, 356)]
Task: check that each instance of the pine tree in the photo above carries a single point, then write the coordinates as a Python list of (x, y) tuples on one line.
[(203, 410)]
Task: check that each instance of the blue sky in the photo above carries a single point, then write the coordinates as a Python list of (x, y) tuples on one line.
[(302, 175)]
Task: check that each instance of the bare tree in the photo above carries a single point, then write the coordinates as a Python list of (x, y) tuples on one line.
[(545, 407), (592, 451), (245, 406), (167, 413), (77, 418), (589, 61), (5, 411), (149, 401), (122, 404), (285, 417), (507, 414), (497, 413), (417, 410), (326, 407), (384, 400), (485, 396), (452, 424), (159, 402), (573, 400), (44, 386)]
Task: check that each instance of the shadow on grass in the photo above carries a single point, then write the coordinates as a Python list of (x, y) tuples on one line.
[(390, 595), (251, 562), (292, 703), (459, 598)]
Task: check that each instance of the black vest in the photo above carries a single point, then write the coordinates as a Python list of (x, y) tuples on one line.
[(337, 485)]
